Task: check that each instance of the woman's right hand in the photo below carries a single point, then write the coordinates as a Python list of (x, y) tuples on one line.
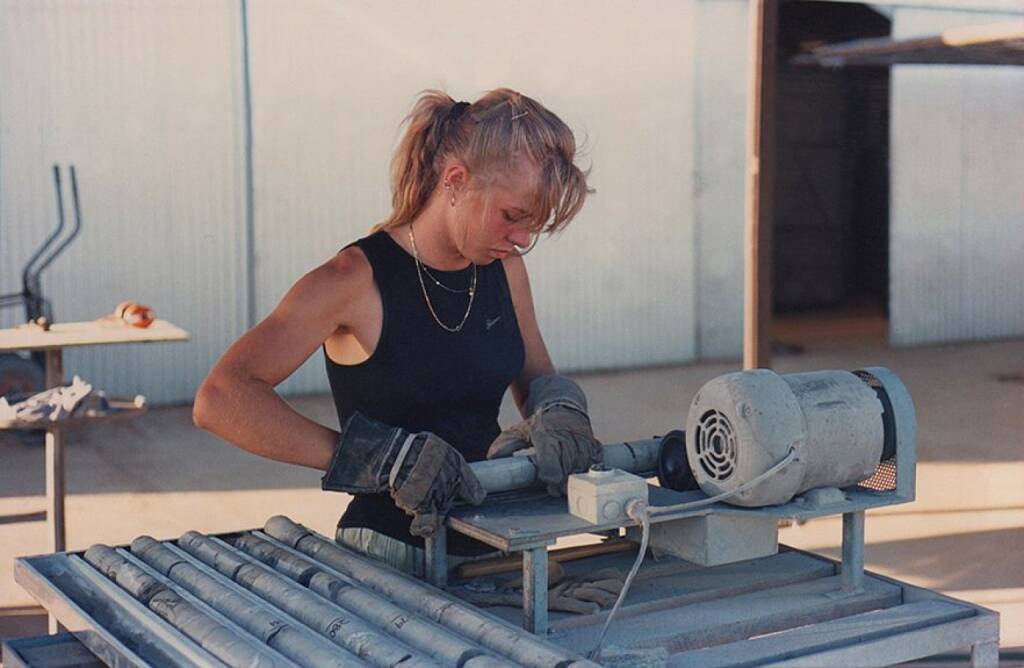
[(237, 401), (423, 473)]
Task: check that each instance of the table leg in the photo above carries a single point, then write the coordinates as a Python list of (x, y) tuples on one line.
[(55, 459), (55, 488), (535, 590), (853, 551), (985, 655), (436, 548), (54, 370)]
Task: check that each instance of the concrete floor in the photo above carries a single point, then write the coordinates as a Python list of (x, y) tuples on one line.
[(964, 535)]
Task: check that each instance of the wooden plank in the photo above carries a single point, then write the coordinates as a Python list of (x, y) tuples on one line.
[(735, 618), (831, 635), (992, 44), (759, 194), (91, 333), (659, 588)]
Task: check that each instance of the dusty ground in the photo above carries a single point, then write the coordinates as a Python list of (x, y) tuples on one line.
[(964, 535)]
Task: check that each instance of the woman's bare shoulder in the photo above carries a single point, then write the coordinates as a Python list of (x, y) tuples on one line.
[(334, 287)]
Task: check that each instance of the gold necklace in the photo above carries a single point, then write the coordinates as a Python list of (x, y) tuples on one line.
[(438, 283), (423, 286)]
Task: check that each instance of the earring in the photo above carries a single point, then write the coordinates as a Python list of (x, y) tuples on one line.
[(451, 192)]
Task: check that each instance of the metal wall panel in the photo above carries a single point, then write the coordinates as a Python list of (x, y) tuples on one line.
[(720, 88), (331, 82), (144, 99), (957, 208)]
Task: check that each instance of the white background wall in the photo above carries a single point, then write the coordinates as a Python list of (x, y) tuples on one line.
[(147, 100), (144, 98), (332, 80), (957, 207)]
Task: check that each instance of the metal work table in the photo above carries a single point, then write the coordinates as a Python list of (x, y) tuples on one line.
[(52, 343), (531, 521), (790, 608)]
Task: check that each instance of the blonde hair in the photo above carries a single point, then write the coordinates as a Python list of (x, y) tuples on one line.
[(488, 136)]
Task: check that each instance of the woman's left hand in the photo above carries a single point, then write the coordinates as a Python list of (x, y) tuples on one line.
[(558, 430)]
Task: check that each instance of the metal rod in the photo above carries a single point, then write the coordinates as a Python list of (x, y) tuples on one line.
[(339, 626), (436, 552), (30, 274), (504, 639), (853, 551), (535, 590), (222, 642), (508, 473), (429, 637)]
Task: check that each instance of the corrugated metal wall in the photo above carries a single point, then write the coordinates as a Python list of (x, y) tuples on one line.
[(331, 82), (147, 100), (720, 90), (957, 209), (144, 98)]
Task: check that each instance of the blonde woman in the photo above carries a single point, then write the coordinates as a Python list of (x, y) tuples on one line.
[(424, 324)]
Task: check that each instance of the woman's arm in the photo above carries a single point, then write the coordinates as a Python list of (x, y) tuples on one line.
[(538, 362), (237, 400)]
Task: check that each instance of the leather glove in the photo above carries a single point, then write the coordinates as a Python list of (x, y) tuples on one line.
[(558, 430), (423, 473), (582, 595)]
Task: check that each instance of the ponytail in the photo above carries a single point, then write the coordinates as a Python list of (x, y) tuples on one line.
[(488, 135)]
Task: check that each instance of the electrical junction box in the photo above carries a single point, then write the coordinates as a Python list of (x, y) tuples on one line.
[(601, 496)]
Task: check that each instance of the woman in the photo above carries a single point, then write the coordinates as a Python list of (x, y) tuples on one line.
[(424, 325)]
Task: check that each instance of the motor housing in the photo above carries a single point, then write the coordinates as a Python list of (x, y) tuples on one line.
[(741, 424)]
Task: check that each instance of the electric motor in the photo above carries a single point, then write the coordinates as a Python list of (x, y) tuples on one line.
[(840, 425)]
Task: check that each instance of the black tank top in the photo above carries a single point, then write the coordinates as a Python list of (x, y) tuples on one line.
[(423, 378)]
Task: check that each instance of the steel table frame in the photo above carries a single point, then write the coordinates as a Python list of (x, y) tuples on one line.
[(52, 343)]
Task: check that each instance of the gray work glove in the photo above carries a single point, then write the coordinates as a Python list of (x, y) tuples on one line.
[(422, 472), (558, 430)]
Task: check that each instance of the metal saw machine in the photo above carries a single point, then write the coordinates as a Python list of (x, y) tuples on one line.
[(708, 585)]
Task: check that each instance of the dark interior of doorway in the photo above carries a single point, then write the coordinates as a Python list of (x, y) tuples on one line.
[(831, 235)]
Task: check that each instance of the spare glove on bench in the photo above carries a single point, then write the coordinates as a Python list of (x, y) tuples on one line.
[(558, 429), (581, 595), (423, 473)]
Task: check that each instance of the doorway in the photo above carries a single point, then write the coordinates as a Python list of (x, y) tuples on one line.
[(831, 234)]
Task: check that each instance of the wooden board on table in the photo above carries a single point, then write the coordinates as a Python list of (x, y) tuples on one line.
[(90, 333)]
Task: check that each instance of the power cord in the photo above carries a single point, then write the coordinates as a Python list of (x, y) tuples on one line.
[(640, 512)]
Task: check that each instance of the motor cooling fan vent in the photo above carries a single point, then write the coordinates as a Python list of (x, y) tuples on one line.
[(716, 445)]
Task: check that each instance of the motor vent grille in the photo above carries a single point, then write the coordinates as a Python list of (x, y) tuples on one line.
[(884, 478), (716, 445)]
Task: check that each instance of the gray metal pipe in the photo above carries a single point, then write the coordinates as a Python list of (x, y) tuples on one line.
[(265, 623), (427, 636), (297, 643), (515, 644), (338, 625), (231, 648), (519, 472)]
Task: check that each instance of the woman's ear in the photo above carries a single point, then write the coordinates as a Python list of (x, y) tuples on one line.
[(455, 176)]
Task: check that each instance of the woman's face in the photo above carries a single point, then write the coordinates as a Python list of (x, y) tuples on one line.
[(492, 219)]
